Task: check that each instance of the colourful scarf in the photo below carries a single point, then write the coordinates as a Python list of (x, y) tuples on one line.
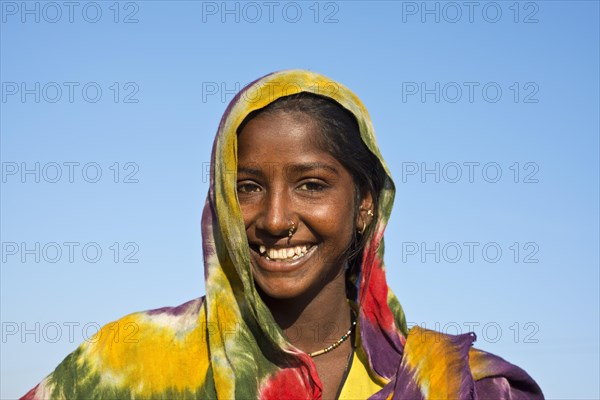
[(227, 345)]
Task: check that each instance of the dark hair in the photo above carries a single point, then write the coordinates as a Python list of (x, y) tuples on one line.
[(340, 138)]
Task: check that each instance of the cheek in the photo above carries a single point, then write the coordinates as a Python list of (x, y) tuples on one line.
[(248, 214), (333, 219)]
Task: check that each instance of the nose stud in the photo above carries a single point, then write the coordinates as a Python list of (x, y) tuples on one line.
[(292, 229)]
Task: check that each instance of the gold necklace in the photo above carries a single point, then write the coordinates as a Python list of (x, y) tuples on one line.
[(336, 344)]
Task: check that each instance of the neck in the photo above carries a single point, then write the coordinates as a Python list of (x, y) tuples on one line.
[(315, 321)]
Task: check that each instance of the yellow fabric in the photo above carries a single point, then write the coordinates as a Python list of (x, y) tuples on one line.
[(360, 383)]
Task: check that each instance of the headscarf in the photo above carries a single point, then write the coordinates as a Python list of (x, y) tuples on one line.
[(227, 344)]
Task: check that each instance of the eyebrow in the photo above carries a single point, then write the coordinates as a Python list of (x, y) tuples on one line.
[(290, 168), (308, 167), (249, 171)]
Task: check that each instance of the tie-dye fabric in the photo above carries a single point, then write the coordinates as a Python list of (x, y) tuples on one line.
[(227, 345)]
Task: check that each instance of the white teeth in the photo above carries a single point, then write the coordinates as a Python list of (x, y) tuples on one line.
[(291, 253)]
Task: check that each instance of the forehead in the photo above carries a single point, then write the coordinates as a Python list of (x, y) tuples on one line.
[(291, 135)]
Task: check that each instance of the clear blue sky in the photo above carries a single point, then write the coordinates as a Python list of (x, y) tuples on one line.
[(487, 115)]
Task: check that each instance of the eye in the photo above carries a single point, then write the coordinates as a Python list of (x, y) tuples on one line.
[(312, 186), (248, 187)]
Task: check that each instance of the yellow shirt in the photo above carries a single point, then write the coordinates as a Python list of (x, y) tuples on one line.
[(360, 382)]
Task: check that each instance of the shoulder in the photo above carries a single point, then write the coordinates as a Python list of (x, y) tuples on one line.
[(496, 378), (448, 366), (143, 352), (136, 334)]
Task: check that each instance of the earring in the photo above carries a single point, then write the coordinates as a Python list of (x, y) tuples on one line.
[(292, 229), (370, 214), (363, 227)]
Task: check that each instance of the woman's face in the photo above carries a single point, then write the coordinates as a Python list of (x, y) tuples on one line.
[(284, 176)]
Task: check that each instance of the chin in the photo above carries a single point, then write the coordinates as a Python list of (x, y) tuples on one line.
[(302, 279), (280, 289)]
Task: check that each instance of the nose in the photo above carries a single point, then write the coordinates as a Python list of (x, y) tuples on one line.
[(275, 216)]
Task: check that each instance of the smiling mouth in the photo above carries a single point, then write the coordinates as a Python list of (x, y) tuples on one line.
[(284, 254)]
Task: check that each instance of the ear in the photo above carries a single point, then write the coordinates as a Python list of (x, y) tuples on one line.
[(366, 204)]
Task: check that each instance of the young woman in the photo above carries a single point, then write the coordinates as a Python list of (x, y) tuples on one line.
[(296, 305)]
